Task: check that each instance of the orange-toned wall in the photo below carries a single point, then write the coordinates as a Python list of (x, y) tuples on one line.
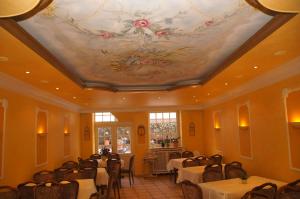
[(141, 118), (268, 128), (19, 156)]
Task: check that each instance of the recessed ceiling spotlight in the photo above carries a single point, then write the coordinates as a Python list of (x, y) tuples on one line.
[(255, 67), (57, 88), (74, 97), (208, 94), (226, 83), (3, 58), (279, 52), (27, 72)]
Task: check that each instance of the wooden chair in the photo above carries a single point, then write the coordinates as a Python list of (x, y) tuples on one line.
[(114, 156), (187, 154), (232, 171), (26, 190), (114, 169), (7, 192), (231, 164), (215, 159), (212, 173), (95, 156), (202, 160), (44, 176), (88, 163), (189, 162), (47, 191), (129, 170), (70, 165), (59, 173), (264, 191), (107, 194), (69, 189), (191, 190), (289, 191)]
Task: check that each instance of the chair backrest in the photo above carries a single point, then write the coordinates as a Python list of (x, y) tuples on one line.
[(212, 173), (7, 192), (174, 155), (114, 156), (47, 191), (88, 163), (231, 164), (235, 172), (70, 165), (69, 189), (95, 156), (190, 162), (44, 176), (26, 190), (267, 190), (59, 173), (187, 154), (215, 159), (202, 160), (113, 167), (87, 173), (191, 190), (289, 191)]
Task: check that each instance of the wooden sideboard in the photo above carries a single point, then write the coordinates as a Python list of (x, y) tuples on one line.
[(162, 155)]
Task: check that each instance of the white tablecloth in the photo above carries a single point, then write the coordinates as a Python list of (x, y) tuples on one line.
[(233, 188), (193, 174), (86, 188), (102, 164), (175, 163), (102, 177)]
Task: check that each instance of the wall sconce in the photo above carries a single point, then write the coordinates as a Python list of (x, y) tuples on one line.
[(66, 126), (217, 120), (243, 125), (42, 123)]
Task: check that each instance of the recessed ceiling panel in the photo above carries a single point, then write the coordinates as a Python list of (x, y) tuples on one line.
[(137, 43)]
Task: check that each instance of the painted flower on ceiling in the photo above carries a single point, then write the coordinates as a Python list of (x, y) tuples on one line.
[(141, 23)]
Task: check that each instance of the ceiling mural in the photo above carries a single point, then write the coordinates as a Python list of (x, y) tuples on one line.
[(136, 43)]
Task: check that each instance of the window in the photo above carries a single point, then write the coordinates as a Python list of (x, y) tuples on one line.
[(123, 140), (163, 128), (105, 117)]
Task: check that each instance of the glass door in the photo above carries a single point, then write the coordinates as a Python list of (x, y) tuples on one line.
[(116, 137), (104, 138)]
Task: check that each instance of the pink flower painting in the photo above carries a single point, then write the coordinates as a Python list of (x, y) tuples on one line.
[(141, 23)]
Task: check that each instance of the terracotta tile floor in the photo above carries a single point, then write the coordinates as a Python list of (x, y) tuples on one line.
[(160, 187)]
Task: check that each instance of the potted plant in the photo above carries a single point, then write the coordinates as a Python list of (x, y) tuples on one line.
[(104, 152)]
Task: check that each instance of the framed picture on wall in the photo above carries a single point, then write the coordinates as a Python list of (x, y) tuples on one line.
[(192, 129)]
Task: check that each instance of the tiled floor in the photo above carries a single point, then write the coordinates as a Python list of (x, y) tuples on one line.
[(161, 187)]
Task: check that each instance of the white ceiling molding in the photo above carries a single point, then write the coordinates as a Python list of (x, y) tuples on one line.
[(12, 84), (278, 74)]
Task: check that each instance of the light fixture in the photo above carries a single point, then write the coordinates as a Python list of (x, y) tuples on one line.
[(57, 88), (226, 83), (208, 94), (123, 98), (255, 67), (27, 72), (74, 97)]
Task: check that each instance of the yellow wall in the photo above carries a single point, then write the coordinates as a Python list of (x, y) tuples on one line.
[(268, 128), (19, 157), (141, 118)]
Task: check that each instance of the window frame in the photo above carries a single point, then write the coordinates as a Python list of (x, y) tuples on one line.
[(178, 127)]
